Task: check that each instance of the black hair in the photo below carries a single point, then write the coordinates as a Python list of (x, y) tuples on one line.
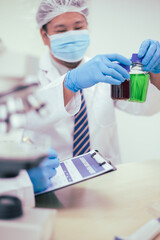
[(44, 27)]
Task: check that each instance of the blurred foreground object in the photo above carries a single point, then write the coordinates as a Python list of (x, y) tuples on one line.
[(18, 85)]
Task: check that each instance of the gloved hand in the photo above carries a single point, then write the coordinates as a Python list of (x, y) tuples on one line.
[(99, 69), (40, 176), (150, 52)]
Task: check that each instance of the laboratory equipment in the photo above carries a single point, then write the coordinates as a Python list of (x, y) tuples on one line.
[(122, 91), (34, 224), (139, 80), (18, 85)]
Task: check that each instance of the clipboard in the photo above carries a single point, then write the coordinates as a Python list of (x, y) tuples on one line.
[(78, 169)]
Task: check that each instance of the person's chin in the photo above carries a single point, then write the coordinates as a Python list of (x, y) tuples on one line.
[(67, 64)]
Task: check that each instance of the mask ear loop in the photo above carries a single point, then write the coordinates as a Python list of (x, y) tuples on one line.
[(47, 35)]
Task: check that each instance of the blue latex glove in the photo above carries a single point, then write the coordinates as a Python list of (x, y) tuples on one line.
[(99, 69), (150, 52), (40, 176)]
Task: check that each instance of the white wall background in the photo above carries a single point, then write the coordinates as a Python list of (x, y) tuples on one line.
[(115, 26), (18, 26)]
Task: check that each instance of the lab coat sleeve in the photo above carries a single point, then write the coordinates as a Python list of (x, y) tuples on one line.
[(21, 187), (150, 107), (52, 95)]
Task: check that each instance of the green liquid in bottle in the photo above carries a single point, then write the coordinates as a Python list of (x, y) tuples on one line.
[(139, 86)]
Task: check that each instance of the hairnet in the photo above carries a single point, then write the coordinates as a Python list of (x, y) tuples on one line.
[(49, 9)]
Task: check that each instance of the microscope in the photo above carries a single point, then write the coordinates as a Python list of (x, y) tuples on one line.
[(18, 86)]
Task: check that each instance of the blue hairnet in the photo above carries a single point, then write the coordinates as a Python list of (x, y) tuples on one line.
[(50, 9)]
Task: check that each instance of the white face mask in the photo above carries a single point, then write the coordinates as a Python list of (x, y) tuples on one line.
[(70, 46)]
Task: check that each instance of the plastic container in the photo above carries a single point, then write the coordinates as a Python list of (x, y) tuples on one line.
[(139, 80), (122, 91)]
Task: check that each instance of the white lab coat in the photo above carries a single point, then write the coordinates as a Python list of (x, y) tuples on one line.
[(59, 123)]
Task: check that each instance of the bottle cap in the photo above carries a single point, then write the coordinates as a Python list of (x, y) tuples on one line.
[(135, 58), (125, 67)]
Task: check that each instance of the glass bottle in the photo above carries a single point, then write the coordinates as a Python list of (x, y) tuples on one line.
[(122, 91), (139, 80)]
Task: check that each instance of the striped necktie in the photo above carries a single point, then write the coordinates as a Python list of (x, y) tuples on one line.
[(81, 140)]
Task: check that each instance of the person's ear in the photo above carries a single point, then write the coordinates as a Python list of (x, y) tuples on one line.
[(44, 37)]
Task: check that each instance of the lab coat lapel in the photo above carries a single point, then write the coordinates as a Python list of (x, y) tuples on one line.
[(46, 66)]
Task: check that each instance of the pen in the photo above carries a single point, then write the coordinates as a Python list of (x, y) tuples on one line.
[(147, 232)]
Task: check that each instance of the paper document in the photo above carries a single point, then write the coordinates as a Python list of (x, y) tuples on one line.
[(78, 169)]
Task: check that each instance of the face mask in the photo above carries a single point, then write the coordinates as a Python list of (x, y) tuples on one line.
[(70, 46)]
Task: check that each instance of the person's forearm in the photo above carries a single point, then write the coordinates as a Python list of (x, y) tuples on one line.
[(67, 94), (155, 79)]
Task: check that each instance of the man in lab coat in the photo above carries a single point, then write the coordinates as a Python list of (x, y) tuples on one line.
[(65, 71)]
